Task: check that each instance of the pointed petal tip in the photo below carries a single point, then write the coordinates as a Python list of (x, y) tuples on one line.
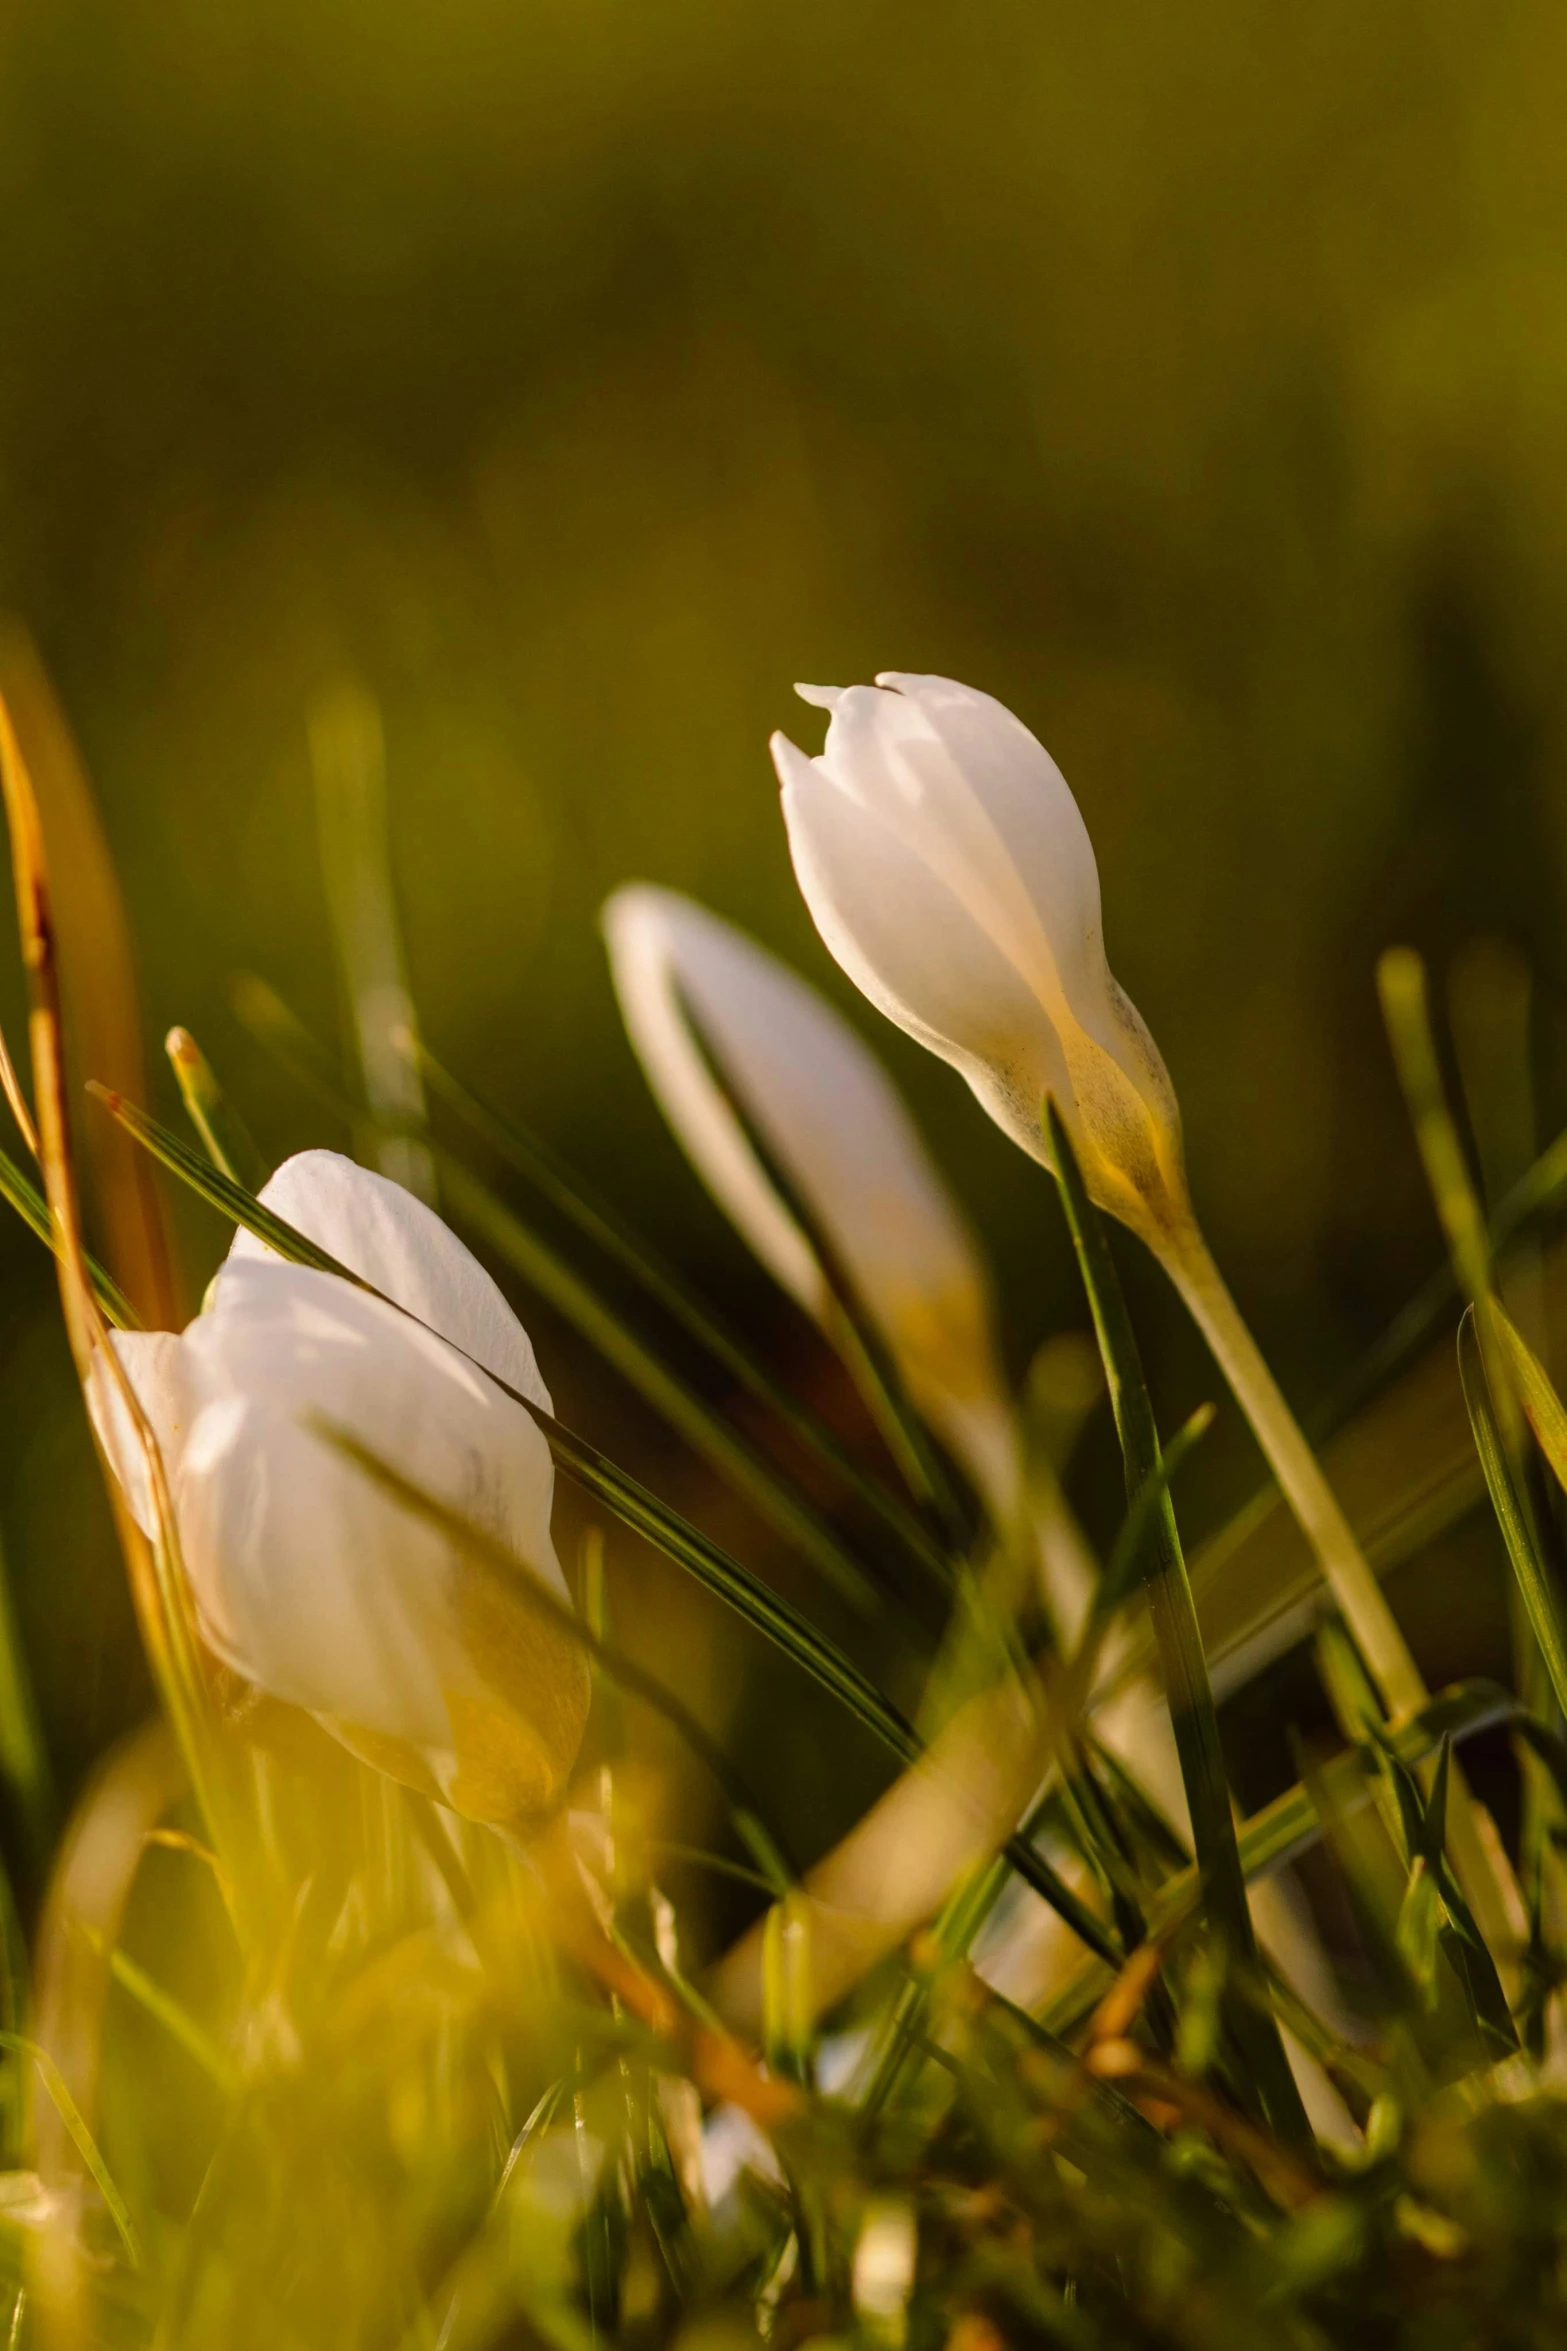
[(821, 697), (790, 762)]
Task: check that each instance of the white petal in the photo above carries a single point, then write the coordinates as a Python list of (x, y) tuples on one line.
[(642, 926), (916, 951), (1028, 801), (308, 1579), (821, 697), (833, 1121), (970, 791), (154, 1364), (402, 1248)]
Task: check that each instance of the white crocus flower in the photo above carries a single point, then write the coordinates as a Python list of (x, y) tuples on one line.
[(308, 1579), (949, 871), (832, 1121)]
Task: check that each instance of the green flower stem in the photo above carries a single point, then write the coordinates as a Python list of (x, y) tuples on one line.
[(1174, 1618), (1376, 1632), (1359, 1596)]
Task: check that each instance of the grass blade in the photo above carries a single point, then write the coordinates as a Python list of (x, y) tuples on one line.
[(497, 1561), (707, 1432), (348, 757), (1294, 1822), (224, 1134), (93, 953), (31, 1206), (85, 2144), (161, 1594), (175, 2018), (1174, 1618), (852, 1330), (1508, 1497)]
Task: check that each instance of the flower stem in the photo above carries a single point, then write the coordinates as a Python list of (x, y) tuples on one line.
[(1482, 1866), (1355, 1588)]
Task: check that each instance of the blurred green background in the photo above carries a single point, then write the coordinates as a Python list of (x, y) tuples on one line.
[(581, 374)]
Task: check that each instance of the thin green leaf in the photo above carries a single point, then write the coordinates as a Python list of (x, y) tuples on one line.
[(224, 1134), (1417, 1931), (494, 1559), (717, 1440), (1529, 1202), (172, 2014), (31, 1206), (1174, 1619), (25, 1768), (1535, 1585), (854, 1331), (1433, 1829), (1291, 1824), (86, 2146)]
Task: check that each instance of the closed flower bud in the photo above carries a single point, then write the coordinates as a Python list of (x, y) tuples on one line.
[(308, 1579), (949, 871), (830, 1120)]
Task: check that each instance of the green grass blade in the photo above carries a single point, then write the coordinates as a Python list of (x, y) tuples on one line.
[(25, 1769), (1529, 1202), (353, 833), (707, 1432), (86, 2146), (636, 1507), (31, 1206), (497, 1561), (1293, 1823), (1543, 1408), (532, 1159), (1127, 1567), (1509, 1499), (173, 2015), (224, 1134), (854, 1331), (1185, 1668), (220, 1191)]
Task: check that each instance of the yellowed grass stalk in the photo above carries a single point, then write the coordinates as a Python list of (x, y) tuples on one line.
[(102, 1012), (157, 1580)]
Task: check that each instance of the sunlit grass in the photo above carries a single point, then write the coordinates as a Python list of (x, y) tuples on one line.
[(301, 2057)]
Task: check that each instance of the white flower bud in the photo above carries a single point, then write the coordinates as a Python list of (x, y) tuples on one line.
[(308, 1579), (949, 871), (834, 1125)]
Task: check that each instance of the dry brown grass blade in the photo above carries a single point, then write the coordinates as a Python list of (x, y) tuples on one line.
[(102, 1006), (1172, 2098), (157, 1582), (719, 2063)]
